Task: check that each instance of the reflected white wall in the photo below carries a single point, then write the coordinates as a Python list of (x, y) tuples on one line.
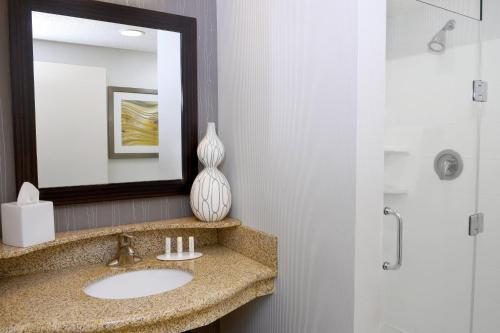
[(136, 69), (69, 154), (170, 104), (122, 70)]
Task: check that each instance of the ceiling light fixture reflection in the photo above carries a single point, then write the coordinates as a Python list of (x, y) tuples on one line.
[(132, 33)]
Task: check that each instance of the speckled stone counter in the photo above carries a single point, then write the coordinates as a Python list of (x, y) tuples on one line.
[(226, 277)]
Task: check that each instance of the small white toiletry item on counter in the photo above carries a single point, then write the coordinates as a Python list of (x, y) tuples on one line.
[(191, 244), (168, 245), (179, 255), (179, 244), (28, 221)]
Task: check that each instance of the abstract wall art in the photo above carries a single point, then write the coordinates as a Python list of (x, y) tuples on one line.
[(132, 123)]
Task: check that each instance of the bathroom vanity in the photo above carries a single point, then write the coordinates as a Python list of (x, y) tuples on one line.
[(104, 101), (42, 287)]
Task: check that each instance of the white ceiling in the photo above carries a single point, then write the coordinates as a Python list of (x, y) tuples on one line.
[(90, 32)]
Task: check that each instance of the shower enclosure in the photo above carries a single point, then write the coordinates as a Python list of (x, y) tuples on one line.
[(442, 167)]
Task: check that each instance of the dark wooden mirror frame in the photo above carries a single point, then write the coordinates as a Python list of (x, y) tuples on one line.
[(23, 99)]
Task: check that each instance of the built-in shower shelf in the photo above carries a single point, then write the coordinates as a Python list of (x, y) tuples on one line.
[(396, 151), (395, 190)]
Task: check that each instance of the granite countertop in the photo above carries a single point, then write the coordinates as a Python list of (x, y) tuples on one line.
[(55, 302)]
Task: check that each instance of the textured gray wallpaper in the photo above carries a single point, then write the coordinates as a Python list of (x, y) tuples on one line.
[(7, 175), (120, 212), (287, 117)]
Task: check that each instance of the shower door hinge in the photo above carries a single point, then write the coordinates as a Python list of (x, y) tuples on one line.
[(480, 91), (476, 224)]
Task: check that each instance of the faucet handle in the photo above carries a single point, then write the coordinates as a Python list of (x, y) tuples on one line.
[(125, 240), (126, 254)]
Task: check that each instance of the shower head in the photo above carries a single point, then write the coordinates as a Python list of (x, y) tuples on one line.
[(438, 42)]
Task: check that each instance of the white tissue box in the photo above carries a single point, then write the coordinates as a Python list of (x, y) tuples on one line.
[(27, 225)]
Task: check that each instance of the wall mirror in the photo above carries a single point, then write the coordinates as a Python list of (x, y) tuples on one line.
[(469, 8), (104, 100)]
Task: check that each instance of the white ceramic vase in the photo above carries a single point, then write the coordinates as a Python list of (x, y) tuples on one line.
[(210, 197)]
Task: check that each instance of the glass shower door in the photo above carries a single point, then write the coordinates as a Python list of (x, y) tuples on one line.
[(430, 111), (486, 315)]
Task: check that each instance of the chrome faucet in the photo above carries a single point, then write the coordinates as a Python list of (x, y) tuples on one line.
[(126, 254)]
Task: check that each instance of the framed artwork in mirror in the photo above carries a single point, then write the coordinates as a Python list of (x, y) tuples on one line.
[(104, 100), (132, 123)]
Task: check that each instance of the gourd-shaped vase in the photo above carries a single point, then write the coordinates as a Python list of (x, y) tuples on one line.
[(210, 197)]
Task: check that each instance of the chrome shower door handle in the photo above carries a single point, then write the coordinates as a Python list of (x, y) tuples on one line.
[(399, 255)]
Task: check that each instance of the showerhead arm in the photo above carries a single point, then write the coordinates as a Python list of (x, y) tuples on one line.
[(449, 26)]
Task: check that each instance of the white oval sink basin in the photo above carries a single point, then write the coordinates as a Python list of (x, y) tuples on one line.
[(138, 283)]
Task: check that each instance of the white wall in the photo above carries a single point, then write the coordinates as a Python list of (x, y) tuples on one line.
[(288, 96), (416, 23), (68, 153), (121, 65), (122, 69), (410, 30), (370, 165)]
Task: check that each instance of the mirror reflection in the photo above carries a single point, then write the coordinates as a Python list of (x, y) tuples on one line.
[(108, 102)]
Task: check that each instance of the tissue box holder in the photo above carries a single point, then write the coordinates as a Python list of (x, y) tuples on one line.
[(27, 225)]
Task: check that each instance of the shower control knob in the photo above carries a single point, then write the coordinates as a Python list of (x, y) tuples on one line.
[(448, 165)]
